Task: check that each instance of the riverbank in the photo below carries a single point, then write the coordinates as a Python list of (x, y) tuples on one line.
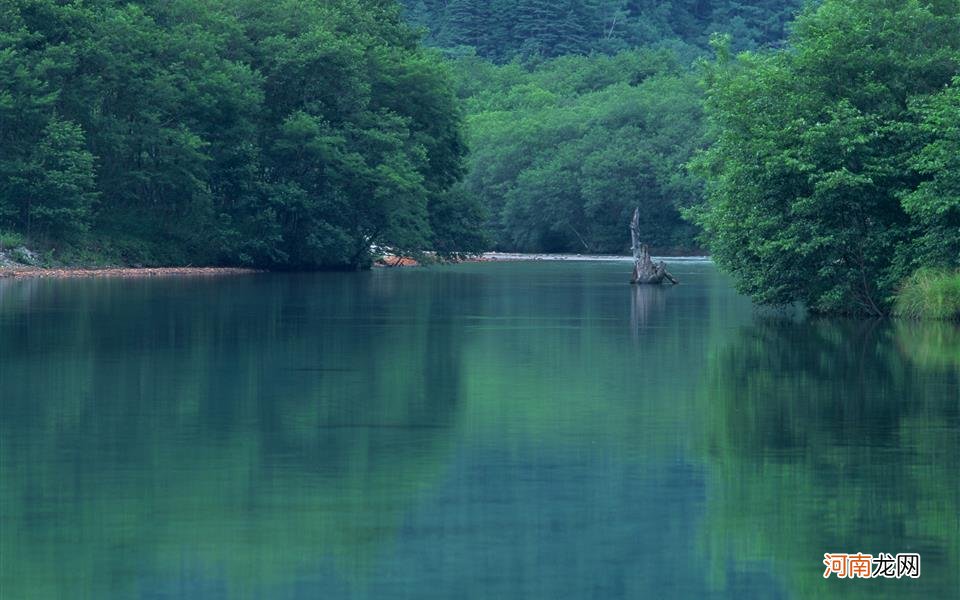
[(514, 257), (10, 269), (127, 272), (391, 261)]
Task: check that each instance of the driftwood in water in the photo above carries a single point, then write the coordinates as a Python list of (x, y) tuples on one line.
[(644, 269)]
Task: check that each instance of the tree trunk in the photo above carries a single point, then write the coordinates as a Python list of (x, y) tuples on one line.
[(645, 271)]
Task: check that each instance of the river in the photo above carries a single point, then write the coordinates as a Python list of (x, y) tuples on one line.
[(536, 430)]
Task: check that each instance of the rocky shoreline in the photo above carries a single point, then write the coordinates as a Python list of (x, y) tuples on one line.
[(72, 273), (519, 257), (10, 269)]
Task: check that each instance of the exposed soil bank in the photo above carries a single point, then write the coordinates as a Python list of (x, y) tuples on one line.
[(395, 261)]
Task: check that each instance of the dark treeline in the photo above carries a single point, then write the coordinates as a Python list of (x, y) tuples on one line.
[(282, 134), (501, 30)]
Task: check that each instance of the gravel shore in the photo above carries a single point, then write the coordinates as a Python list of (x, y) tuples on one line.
[(68, 273)]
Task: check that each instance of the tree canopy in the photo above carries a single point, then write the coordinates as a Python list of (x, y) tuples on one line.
[(580, 110), (286, 134), (834, 169), (564, 152), (501, 30)]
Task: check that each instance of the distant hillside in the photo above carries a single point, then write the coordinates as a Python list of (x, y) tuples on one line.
[(501, 30)]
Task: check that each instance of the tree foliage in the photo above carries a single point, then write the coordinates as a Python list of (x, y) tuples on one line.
[(833, 173), (591, 111), (561, 154), (501, 30), (286, 134)]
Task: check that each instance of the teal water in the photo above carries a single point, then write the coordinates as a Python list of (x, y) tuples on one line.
[(530, 431)]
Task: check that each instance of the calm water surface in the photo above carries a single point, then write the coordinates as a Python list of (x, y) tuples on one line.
[(529, 431)]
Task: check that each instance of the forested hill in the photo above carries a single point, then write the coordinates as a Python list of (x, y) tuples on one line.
[(562, 154), (578, 111), (501, 30)]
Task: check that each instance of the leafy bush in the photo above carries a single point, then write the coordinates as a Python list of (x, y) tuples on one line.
[(930, 294), (24, 256)]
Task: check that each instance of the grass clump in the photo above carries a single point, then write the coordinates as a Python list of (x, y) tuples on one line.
[(10, 240), (930, 294)]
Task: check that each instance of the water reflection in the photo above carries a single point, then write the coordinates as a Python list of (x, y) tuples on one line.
[(509, 431), (835, 436), (934, 346), (648, 302), (240, 429)]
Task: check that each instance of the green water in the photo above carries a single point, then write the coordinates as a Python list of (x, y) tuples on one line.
[(529, 431)]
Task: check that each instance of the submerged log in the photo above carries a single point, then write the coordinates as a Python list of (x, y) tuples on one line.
[(645, 271)]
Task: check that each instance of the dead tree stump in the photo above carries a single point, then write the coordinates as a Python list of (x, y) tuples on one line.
[(645, 271)]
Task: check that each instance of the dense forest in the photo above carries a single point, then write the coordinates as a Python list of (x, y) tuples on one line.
[(501, 30), (282, 134), (301, 135), (580, 110), (561, 155)]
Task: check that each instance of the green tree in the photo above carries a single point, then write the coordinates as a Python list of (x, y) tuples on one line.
[(812, 153), (464, 23), (935, 204), (61, 194)]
